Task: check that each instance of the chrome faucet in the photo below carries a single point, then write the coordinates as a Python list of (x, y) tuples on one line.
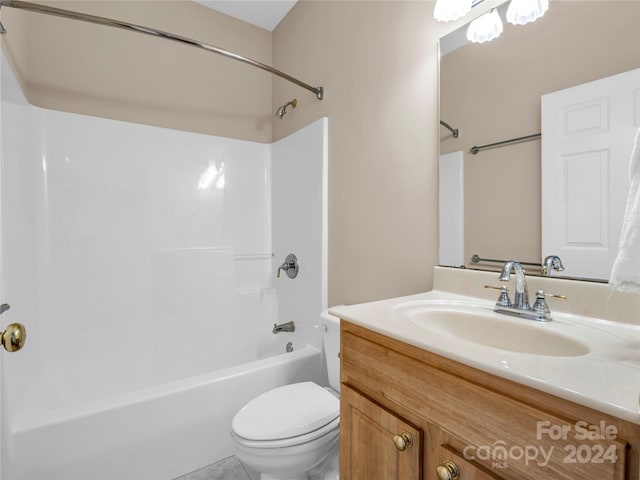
[(552, 263), (520, 306), (284, 327), (521, 299)]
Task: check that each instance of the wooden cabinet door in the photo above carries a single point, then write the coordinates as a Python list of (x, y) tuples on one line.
[(368, 435)]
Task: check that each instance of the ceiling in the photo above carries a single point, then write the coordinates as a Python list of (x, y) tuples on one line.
[(263, 13)]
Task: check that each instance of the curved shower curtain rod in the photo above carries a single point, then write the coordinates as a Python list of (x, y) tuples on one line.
[(317, 91)]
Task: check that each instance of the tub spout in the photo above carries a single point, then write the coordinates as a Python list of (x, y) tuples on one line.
[(284, 327)]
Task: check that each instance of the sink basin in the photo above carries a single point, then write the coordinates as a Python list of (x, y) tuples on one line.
[(480, 325)]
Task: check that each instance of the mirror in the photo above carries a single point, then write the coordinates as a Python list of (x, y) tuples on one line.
[(492, 92)]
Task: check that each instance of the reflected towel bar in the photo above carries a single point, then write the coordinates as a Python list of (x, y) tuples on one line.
[(455, 131), (477, 259), (317, 91), (475, 149)]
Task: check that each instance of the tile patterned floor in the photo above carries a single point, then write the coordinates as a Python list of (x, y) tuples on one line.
[(226, 469)]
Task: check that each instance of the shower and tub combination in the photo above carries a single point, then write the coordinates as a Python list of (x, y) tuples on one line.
[(143, 262)]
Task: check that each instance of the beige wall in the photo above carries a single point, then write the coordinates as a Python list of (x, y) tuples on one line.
[(377, 60), (491, 92), (90, 69)]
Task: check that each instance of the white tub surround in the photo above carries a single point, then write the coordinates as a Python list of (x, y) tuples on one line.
[(606, 379), (140, 260), (299, 224)]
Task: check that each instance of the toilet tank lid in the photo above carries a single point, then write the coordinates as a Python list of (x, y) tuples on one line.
[(286, 412)]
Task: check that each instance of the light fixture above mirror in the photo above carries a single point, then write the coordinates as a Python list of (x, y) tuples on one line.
[(449, 10), (485, 28), (488, 26), (521, 12)]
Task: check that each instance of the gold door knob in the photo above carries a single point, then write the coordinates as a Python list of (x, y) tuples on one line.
[(402, 441), (448, 471), (13, 337)]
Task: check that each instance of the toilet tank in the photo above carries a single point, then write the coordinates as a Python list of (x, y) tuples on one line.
[(332, 348)]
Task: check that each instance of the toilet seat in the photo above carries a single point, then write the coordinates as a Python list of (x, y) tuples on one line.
[(330, 428), (288, 415)]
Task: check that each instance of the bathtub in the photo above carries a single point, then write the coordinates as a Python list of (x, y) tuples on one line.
[(160, 432)]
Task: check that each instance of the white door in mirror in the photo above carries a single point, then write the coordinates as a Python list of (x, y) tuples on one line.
[(587, 138)]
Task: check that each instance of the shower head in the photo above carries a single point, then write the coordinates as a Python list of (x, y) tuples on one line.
[(282, 109)]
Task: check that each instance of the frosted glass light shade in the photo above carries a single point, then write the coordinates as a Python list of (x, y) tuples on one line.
[(521, 12), (447, 10), (485, 28)]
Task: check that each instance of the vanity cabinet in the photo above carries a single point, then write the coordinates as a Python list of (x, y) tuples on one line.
[(460, 419)]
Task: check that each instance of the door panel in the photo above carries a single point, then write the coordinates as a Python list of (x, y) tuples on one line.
[(1, 270), (368, 442), (587, 137)]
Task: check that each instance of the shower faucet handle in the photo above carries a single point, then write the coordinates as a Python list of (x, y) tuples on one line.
[(290, 266)]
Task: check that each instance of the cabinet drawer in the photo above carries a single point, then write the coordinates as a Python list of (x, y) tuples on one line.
[(450, 460), (538, 444)]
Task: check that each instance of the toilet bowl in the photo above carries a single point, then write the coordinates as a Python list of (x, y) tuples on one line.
[(293, 430)]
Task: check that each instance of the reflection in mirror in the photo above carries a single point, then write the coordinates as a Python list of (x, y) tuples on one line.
[(492, 92)]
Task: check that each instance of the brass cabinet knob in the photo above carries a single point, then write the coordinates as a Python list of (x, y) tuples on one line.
[(448, 471), (13, 337), (402, 441)]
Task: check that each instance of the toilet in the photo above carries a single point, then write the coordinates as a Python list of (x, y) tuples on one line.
[(292, 432)]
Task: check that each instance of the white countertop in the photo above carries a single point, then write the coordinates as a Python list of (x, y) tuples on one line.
[(606, 379)]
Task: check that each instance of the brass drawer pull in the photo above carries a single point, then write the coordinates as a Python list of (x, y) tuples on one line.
[(403, 441), (448, 471)]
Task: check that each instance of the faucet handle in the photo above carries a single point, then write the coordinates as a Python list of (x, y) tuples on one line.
[(503, 299), (290, 266), (541, 294), (540, 306)]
